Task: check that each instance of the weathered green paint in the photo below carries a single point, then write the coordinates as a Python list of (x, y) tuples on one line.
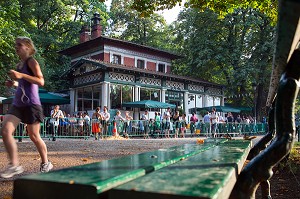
[(210, 174), (98, 177)]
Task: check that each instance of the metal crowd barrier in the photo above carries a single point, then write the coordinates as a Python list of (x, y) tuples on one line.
[(154, 129), (79, 128), (236, 129)]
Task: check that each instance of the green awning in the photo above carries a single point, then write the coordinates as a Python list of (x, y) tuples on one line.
[(45, 97), (218, 109), (148, 104)]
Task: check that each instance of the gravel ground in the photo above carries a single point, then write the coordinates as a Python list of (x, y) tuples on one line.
[(71, 152)]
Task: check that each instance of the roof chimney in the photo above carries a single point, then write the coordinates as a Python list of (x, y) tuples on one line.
[(96, 27), (84, 34)]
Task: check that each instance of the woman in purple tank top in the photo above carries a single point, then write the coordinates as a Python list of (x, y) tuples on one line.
[(26, 107)]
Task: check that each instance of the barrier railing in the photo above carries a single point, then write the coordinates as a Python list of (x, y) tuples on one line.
[(79, 128)]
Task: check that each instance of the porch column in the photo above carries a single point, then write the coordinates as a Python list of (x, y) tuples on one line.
[(108, 95), (136, 98), (185, 103), (73, 101), (105, 94), (163, 99), (163, 95), (222, 101), (204, 101), (201, 98), (137, 93)]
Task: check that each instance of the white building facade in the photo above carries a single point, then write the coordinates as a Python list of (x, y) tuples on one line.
[(108, 72)]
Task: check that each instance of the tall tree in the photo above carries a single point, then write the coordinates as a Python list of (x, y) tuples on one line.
[(53, 26), (128, 24), (235, 51), (268, 7), (10, 24)]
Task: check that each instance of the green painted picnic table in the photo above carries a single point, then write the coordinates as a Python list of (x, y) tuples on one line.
[(118, 177), (210, 174)]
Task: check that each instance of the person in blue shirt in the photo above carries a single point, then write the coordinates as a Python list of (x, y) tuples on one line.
[(206, 121)]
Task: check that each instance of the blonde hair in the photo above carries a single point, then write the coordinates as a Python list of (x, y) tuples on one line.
[(29, 43)]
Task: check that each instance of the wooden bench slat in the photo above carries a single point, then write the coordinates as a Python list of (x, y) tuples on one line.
[(99, 177), (210, 175)]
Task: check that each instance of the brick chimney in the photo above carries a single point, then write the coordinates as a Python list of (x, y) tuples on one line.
[(84, 34), (96, 27)]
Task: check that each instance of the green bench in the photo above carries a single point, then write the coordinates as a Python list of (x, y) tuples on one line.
[(210, 174), (166, 171)]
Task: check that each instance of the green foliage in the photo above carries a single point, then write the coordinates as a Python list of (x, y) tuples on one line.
[(10, 24), (222, 8), (129, 25), (230, 43), (52, 25), (234, 51)]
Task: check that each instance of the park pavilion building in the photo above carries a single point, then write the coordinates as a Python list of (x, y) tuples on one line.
[(108, 72)]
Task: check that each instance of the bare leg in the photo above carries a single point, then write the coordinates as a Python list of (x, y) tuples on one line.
[(182, 133), (176, 132), (34, 134), (9, 125)]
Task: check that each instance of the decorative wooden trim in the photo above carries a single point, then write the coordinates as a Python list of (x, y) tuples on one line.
[(87, 79), (121, 77), (192, 87), (150, 81), (175, 85), (214, 91)]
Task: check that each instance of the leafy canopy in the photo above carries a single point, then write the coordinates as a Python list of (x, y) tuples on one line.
[(222, 7)]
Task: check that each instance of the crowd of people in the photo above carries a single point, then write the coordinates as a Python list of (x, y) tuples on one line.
[(168, 124), (80, 123), (160, 125), (173, 124), (212, 119)]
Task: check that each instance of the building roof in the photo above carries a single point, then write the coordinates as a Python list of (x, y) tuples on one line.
[(103, 39), (137, 71)]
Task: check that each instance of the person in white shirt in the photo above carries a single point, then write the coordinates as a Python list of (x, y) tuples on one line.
[(166, 122), (127, 125), (145, 115), (119, 117), (144, 124), (86, 118), (214, 121), (56, 114), (221, 119), (105, 119), (87, 122), (80, 122)]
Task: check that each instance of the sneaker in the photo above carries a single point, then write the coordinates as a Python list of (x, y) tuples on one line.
[(46, 167), (11, 171)]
